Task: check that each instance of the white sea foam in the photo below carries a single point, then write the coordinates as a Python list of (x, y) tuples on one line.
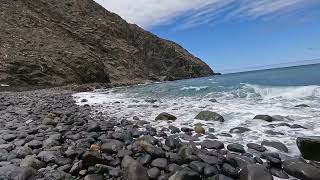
[(194, 88), (287, 92), (4, 85), (236, 109)]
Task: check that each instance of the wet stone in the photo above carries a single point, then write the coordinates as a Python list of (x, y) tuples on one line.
[(197, 166), (277, 145), (239, 130), (229, 170), (301, 170), (236, 148), (263, 117), (256, 147), (174, 129), (161, 163), (144, 159), (279, 173), (212, 144), (210, 171), (153, 173)]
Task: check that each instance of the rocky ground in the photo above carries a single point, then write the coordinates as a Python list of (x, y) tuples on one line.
[(45, 135)]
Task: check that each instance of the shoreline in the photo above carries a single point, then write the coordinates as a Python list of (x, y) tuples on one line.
[(46, 130)]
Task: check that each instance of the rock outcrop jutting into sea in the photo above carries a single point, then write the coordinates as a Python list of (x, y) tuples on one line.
[(54, 42)]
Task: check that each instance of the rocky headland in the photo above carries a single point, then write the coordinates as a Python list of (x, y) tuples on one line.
[(54, 43)]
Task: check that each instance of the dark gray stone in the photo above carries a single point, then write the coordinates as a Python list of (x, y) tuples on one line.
[(153, 173), (112, 146), (212, 144), (277, 145), (235, 147), (185, 175), (166, 116), (12, 172), (256, 147), (161, 163), (254, 171), (263, 117), (301, 170), (132, 170), (239, 130), (31, 161), (93, 177), (209, 116), (279, 173), (197, 166), (309, 147)]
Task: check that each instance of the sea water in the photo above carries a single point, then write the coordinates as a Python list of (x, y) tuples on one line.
[(239, 96)]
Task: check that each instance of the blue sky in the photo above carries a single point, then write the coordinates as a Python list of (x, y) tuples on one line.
[(231, 35)]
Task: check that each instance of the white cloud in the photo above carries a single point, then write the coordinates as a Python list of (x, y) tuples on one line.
[(148, 13)]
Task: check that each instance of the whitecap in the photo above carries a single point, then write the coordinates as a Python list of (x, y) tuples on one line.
[(197, 88)]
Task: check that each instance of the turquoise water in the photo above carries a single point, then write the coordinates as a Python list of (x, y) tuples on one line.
[(239, 83), (239, 96)]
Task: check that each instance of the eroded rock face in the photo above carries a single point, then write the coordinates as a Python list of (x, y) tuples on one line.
[(52, 42)]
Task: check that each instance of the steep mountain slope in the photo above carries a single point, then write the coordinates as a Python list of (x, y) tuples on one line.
[(54, 42)]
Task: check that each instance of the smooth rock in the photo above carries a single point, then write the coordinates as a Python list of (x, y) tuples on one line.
[(12, 172), (133, 170), (255, 172), (93, 177), (235, 147), (212, 144), (166, 116), (153, 173), (256, 147), (301, 170), (309, 147), (185, 175), (197, 166), (263, 117), (220, 177), (161, 163), (111, 146), (31, 161), (91, 158), (209, 116), (239, 130), (279, 173), (277, 145), (199, 130)]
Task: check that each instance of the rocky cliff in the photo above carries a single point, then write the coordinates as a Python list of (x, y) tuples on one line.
[(54, 42)]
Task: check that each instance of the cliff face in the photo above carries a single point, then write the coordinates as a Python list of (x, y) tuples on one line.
[(54, 42)]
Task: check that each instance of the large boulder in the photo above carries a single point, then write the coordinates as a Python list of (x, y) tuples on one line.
[(133, 170), (309, 147), (209, 116), (301, 170), (255, 172), (166, 116)]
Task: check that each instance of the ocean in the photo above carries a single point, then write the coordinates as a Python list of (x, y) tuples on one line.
[(239, 96)]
